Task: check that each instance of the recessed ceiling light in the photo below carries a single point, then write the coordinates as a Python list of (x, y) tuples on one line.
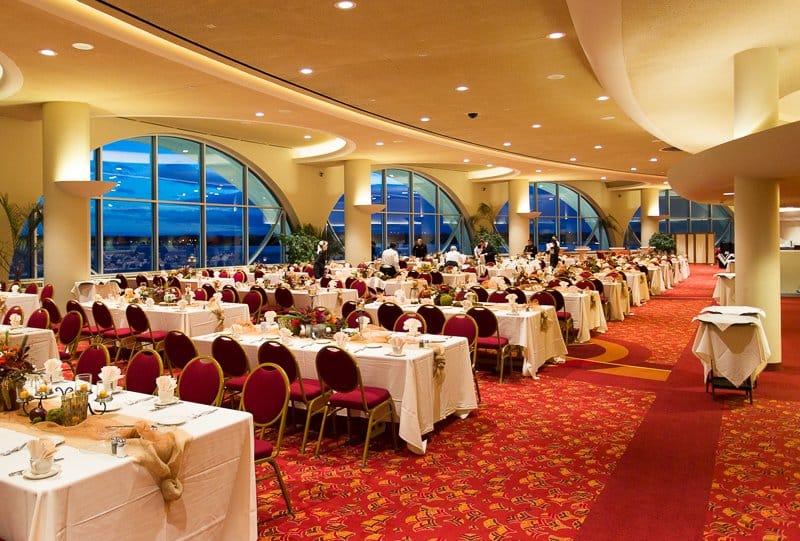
[(489, 165), (536, 126), (573, 159), (603, 178), (306, 71), (259, 113), (653, 159), (610, 117), (185, 151), (602, 98), (425, 119), (556, 76), (598, 147), (211, 26), (556, 35), (634, 168), (47, 52), (666, 182), (729, 193), (466, 160), (345, 4), (462, 88), (306, 136), (507, 144), (82, 46), (538, 170), (379, 143)]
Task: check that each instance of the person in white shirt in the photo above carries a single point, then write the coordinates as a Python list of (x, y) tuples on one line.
[(390, 260), (453, 257)]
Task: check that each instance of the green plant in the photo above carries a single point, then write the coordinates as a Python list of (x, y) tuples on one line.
[(662, 242), (482, 223), (20, 219), (301, 245)]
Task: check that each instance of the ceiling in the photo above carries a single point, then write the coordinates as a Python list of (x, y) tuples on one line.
[(210, 66)]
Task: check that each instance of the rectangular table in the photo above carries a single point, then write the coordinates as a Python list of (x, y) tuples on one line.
[(587, 313), (420, 399), (98, 496), (194, 320), (42, 343), (27, 301), (89, 290), (331, 299)]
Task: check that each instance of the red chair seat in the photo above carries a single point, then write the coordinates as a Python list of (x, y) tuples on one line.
[(312, 388), (157, 336), (492, 342), (236, 384), (120, 333), (564, 315), (262, 449), (352, 400)]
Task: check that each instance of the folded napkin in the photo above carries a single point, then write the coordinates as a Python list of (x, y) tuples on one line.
[(15, 289), (15, 320), (363, 321), (412, 326), (41, 448), (400, 296), (149, 302), (397, 341), (182, 304), (466, 304), (110, 374), (285, 334), (340, 338), (165, 384), (236, 329), (52, 366), (269, 317)]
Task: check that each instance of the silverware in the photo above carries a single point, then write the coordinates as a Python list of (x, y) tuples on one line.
[(14, 449), (202, 413), (139, 401), (166, 405)]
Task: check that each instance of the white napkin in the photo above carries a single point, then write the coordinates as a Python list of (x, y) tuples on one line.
[(397, 342), (236, 329), (340, 338), (149, 302), (466, 304), (182, 304), (110, 373), (15, 289), (52, 369), (363, 321), (166, 383), (285, 334), (511, 299), (400, 296), (412, 326), (41, 448), (269, 317), (15, 320)]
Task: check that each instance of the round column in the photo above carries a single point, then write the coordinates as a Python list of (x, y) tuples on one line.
[(65, 156), (649, 213), (519, 206), (357, 211), (757, 200)]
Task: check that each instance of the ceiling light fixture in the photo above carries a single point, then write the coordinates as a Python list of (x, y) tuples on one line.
[(466, 160), (306, 71), (538, 170), (489, 165), (603, 178), (556, 35), (462, 88), (345, 4), (82, 46), (602, 98), (573, 159), (379, 143), (259, 114), (536, 126), (634, 169), (425, 119), (729, 193), (653, 159), (47, 52), (598, 147), (507, 144), (610, 117), (306, 136), (556, 76)]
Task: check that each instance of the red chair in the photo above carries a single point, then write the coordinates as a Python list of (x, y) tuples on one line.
[(223, 274), (401, 321), (54, 313), (47, 292), (89, 332), (201, 381), (361, 287), (159, 281), (209, 289), (143, 370), (388, 312), (234, 363), (229, 294), (107, 330), (584, 284), (141, 280), (426, 276), (489, 337), (178, 350), (521, 298), (497, 297), (325, 281), (92, 360), (308, 391), (122, 281), (69, 334), (253, 301), (200, 295), (433, 316), (39, 319), (554, 298), (464, 325), (31, 289), (347, 307), (16, 309), (338, 371), (351, 321), (142, 332), (266, 397), (483, 295), (175, 282), (348, 282), (284, 298), (436, 278), (239, 276)]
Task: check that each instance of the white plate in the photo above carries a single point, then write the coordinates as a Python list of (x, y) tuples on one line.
[(437, 340), (373, 346), (390, 354), (323, 341), (160, 404), (171, 420), (28, 474), (111, 405)]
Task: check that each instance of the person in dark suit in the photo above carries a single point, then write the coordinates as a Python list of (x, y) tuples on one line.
[(489, 254), (321, 259), (530, 249), (554, 248), (419, 249)]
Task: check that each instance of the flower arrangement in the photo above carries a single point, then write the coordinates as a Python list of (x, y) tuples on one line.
[(310, 321), (14, 366)]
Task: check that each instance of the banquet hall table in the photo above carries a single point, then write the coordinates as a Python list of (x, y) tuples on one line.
[(637, 283), (734, 346), (89, 290), (98, 496), (656, 278), (420, 399), (42, 343), (618, 300), (27, 301), (725, 288), (194, 320), (587, 313), (193, 284), (535, 330), (332, 298)]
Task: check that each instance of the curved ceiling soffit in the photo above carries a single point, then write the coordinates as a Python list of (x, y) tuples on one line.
[(10, 77), (598, 26), (327, 150)]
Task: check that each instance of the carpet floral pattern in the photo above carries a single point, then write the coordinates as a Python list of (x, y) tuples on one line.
[(756, 488), (499, 473)]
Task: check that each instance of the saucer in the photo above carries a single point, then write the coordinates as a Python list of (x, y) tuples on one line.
[(392, 354), (171, 420), (160, 404), (55, 470), (323, 341), (373, 346)]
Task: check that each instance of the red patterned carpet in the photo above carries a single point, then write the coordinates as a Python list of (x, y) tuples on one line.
[(582, 453)]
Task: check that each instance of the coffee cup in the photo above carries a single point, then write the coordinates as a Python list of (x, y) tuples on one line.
[(397, 349), (165, 397), (41, 466)]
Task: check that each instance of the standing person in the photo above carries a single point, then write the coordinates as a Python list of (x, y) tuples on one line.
[(419, 250), (321, 259), (454, 257), (554, 249), (530, 249), (489, 253), (478, 250), (390, 261)]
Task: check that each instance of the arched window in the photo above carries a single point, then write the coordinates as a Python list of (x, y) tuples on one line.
[(416, 207), (565, 213), (179, 203)]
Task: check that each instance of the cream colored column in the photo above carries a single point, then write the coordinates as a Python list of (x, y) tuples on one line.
[(649, 213), (357, 213), (757, 200), (519, 225), (65, 156)]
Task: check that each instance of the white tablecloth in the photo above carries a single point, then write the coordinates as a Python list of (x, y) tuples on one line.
[(725, 289), (618, 301), (419, 399), (88, 290), (587, 313), (454, 279), (97, 496), (657, 285), (637, 282), (27, 301), (736, 345), (42, 343), (332, 299), (195, 320)]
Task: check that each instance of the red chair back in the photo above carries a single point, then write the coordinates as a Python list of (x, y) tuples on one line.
[(388, 313), (16, 309), (70, 329), (32, 289), (434, 318), (47, 292), (223, 274), (122, 281), (462, 325), (544, 298), (399, 324), (360, 286), (137, 319), (352, 318), (559, 299), (485, 319), (262, 293), (266, 396), (436, 278), (39, 319), (347, 307), (337, 369), (159, 281), (348, 282), (229, 295), (276, 353), (483, 295), (52, 309), (497, 296), (200, 295), (239, 276), (584, 284), (253, 301), (201, 381), (102, 316), (92, 360), (284, 297), (174, 281), (209, 289), (230, 355), (143, 370), (141, 280), (179, 349)]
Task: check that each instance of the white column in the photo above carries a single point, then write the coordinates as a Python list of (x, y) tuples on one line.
[(519, 203), (357, 214), (757, 200), (649, 213), (65, 156)]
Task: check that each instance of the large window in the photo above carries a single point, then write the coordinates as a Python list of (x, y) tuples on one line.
[(565, 213), (180, 202), (416, 207)]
